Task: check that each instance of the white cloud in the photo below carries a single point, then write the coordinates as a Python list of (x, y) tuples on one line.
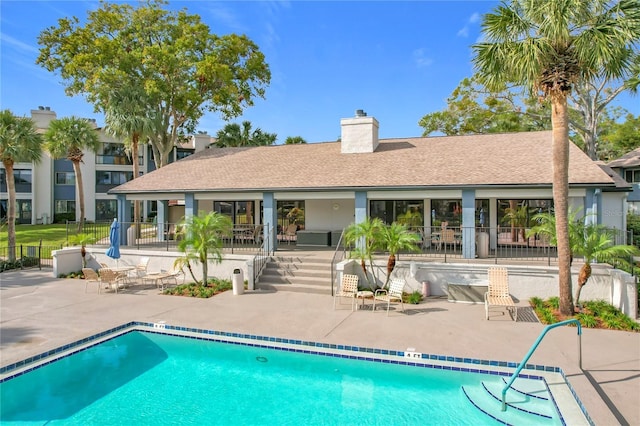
[(10, 41), (421, 59), (464, 31)]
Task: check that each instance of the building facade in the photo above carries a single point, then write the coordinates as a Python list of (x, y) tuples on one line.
[(46, 192)]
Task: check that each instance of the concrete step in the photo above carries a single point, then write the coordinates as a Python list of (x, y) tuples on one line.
[(297, 273)]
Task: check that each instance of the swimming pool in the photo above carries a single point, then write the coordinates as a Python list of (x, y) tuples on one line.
[(170, 375)]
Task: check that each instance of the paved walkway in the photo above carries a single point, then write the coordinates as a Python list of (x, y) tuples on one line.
[(38, 313)]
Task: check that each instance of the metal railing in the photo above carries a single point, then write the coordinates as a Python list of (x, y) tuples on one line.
[(262, 257), (338, 255), (534, 347), (26, 256)]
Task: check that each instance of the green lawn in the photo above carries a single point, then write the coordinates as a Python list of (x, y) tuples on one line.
[(51, 235)]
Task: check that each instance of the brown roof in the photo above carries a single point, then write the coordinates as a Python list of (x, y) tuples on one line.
[(407, 163), (630, 159)]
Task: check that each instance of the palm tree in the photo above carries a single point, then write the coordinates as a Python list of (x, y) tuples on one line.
[(19, 142), (293, 140), (233, 135), (593, 242), (126, 118), (596, 243), (82, 240), (517, 217), (67, 138), (363, 237), (393, 239), (549, 47), (202, 235)]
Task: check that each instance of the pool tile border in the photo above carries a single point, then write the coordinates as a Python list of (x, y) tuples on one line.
[(88, 342)]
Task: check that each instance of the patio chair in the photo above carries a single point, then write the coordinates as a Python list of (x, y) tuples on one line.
[(348, 288), (112, 279), (393, 294), (141, 268), (91, 276), (290, 233), (447, 237), (498, 292)]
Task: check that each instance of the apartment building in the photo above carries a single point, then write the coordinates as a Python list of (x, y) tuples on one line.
[(46, 192)]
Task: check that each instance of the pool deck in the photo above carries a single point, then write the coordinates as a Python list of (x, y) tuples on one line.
[(39, 313)]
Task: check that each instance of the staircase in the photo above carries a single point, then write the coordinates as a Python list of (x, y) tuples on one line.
[(301, 272), (528, 402)]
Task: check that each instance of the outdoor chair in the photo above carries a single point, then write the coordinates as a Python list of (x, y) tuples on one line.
[(112, 279), (348, 288), (447, 237), (393, 294), (91, 276), (290, 233), (498, 292), (141, 268)]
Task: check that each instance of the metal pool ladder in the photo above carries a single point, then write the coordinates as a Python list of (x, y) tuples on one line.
[(533, 348)]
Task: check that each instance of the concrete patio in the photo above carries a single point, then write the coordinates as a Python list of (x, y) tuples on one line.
[(39, 313)]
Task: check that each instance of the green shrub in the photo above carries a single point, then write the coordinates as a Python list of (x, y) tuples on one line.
[(213, 287), (536, 302), (413, 298), (554, 302), (587, 320)]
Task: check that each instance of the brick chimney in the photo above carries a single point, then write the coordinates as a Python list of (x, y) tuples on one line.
[(359, 134)]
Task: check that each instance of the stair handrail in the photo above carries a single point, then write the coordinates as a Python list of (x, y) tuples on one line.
[(333, 263), (534, 347)]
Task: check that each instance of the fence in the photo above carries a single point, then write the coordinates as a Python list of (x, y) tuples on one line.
[(26, 256)]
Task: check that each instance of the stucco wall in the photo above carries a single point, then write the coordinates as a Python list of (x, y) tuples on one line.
[(69, 260), (612, 285)]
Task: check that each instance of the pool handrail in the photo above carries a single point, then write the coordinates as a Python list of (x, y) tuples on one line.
[(534, 347)]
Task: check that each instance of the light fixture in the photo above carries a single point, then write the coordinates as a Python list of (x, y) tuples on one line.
[(336, 206)]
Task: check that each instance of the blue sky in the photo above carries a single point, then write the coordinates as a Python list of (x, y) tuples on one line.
[(397, 60)]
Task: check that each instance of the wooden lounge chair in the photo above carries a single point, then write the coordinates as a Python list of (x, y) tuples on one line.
[(348, 288), (498, 292), (394, 294), (91, 276)]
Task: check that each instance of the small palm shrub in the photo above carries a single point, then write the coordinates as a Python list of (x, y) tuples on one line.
[(213, 287), (413, 298), (595, 314)]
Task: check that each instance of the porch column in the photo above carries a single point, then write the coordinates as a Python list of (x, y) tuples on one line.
[(161, 218), (270, 212), (124, 217), (468, 223), (592, 206), (190, 205), (361, 211)]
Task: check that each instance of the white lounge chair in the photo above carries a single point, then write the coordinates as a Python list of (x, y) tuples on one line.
[(498, 292), (348, 288), (393, 294)]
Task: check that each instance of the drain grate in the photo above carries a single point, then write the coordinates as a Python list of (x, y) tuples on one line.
[(526, 314)]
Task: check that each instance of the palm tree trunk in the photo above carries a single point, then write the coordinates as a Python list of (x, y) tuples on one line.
[(136, 172), (205, 270), (80, 191), (583, 277), (11, 210), (391, 264), (560, 125)]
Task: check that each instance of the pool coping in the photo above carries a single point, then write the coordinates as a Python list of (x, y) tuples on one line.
[(562, 393)]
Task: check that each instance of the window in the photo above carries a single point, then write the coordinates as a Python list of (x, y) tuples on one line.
[(65, 178), (406, 212), (240, 212), (113, 178), (449, 211), (290, 212), (106, 209), (519, 213), (632, 176), (182, 153), (112, 153), (65, 206)]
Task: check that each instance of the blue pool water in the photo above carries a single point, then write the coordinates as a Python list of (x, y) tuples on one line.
[(149, 378)]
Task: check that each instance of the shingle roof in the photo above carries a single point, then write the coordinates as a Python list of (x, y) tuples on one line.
[(630, 159), (451, 161)]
